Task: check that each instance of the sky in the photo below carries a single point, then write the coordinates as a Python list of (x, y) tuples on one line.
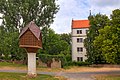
[(80, 9)]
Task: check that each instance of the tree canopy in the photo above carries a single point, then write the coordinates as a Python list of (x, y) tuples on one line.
[(108, 39), (16, 14), (15, 11), (102, 41), (54, 44), (97, 22)]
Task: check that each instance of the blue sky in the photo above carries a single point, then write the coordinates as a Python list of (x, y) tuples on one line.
[(79, 9)]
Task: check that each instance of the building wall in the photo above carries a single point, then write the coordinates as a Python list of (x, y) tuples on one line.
[(76, 44)]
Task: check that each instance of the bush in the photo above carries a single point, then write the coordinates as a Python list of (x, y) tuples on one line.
[(74, 63), (48, 58), (68, 58)]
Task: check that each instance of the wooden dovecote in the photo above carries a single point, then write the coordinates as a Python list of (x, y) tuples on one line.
[(31, 37)]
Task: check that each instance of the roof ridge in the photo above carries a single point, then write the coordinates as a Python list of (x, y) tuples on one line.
[(33, 28)]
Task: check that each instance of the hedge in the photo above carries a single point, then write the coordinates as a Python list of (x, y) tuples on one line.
[(74, 63), (48, 58)]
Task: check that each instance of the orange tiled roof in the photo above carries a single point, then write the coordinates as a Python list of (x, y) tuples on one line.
[(80, 24)]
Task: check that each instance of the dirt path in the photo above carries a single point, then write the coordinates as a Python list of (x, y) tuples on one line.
[(81, 73), (69, 76), (89, 75)]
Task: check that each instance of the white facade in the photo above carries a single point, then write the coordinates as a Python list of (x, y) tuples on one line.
[(78, 49)]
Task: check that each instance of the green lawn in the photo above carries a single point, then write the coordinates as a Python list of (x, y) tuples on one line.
[(21, 76), (3, 64), (7, 65), (108, 77)]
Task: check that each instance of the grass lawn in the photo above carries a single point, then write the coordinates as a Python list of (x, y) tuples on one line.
[(22, 76), (107, 77), (3, 64), (13, 66)]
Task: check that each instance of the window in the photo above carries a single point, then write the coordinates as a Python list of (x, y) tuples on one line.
[(79, 49), (79, 58), (87, 31), (79, 40), (79, 31)]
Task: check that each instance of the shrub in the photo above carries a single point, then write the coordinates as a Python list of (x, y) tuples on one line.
[(68, 58), (74, 63), (48, 58)]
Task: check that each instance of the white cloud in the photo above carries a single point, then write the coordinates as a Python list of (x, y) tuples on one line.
[(106, 3), (68, 10), (104, 6), (79, 9)]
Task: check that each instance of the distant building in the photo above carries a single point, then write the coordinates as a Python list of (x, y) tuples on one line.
[(79, 30)]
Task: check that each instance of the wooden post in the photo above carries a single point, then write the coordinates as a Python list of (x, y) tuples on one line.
[(32, 65)]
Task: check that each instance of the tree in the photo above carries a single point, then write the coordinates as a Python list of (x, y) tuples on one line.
[(17, 13), (115, 22), (106, 43), (53, 45), (66, 37), (96, 22), (108, 39), (41, 11)]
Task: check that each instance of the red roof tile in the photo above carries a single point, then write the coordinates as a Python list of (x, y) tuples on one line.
[(80, 24), (33, 28)]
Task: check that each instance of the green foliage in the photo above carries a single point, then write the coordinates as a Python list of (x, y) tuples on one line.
[(106, 44), (73, 63), (22, 76), (41, 11), (108, 40), (66, 37), (48, 58), (68, 57), (115, 18), (53, 44), (15, 15), (96, 22), (8, 64)]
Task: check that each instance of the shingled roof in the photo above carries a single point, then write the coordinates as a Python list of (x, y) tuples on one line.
[(33, 28), (80, 24)]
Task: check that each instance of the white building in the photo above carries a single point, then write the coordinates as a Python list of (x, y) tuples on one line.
[(79, 30)]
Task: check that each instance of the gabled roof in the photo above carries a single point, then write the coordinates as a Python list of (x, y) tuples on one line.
[(80, 24), (33, 28)]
